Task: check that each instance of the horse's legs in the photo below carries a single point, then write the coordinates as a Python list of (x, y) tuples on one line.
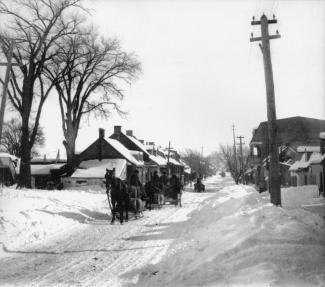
[(126, 207), (139, 207), (121, 208), (113, 209)]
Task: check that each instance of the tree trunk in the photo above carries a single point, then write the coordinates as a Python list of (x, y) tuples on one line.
[(25, 172), (26, 146), (70, 147)]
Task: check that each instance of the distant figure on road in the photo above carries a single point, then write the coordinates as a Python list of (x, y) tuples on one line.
[(199, 186)]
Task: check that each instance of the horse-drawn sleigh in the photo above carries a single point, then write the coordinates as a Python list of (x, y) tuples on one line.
[(199, 186), (123, 198)]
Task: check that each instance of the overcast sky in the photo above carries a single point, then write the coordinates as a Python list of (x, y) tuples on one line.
[(200, 72)]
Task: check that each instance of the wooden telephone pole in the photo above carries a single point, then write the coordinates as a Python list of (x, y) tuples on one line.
[(235, 154), (241, 163), (168, 155), (274, 170), (5, 85)]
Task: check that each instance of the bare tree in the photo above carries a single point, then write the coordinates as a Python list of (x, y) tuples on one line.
[(91, 70), (36, 26), (229, 160), (11, 138), (197, 163)]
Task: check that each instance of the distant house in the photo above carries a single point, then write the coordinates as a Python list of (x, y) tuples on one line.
[(8, 168), (129, 141), (46, 173), (300, 169), (309, 169), (291, 133), (101, 154), (174, 163), (157, 161)]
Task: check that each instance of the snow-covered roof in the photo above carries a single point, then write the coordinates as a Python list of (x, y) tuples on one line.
[(187, 170), (322, 135), (174, 161), (97, 169), (308, 149), (158, 160), (43, 169), (300, 164), (124, 151), (6, 155), (316, 158), (138, 155), (138, 144)]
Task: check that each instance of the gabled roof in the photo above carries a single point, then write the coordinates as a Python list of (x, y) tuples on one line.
[(293, 131), (174, 161), (124, 151), (158, 160), (138, 144)]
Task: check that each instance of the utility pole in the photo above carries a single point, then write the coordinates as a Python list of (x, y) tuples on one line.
[(274, 171), (235, 154), (241, 163), (5, 85), (201, 162), (168, 166)]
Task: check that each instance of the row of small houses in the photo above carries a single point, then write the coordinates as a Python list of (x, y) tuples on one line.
[(122, 151), (301, 146)]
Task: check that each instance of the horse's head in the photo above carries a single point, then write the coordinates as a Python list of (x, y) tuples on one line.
[(109, 176)]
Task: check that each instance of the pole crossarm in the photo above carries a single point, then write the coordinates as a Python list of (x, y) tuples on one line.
[(258, 22), (255, 39)]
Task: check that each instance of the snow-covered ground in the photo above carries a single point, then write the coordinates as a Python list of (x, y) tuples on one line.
[(228, 236)]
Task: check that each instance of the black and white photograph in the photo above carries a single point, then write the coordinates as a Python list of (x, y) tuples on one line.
[(173, 143)]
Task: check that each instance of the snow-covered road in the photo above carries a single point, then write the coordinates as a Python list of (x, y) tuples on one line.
[(228, 236), (97, 253)]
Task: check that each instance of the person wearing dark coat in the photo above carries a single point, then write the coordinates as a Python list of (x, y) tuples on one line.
[(135, 188), (176, 186)]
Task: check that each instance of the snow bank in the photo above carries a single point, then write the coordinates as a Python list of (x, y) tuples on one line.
[(240, 239), (31, 215), (297, 196)]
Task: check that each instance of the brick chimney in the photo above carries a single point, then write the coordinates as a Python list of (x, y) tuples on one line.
[(117, 132), (129, 133), (101, 133)]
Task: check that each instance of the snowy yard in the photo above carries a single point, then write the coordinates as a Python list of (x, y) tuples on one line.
[(229, 236)]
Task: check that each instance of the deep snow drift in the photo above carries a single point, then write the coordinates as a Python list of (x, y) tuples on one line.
[(227, 237), (240, 239)]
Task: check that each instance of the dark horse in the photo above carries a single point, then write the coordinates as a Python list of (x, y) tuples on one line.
[(117, 191)]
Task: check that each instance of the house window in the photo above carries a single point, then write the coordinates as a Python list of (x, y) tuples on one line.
[(81, 182)]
